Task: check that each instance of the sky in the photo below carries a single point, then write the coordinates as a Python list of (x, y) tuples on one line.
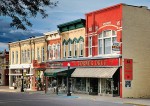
[(67, 10)]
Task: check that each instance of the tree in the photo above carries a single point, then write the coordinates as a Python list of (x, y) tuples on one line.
[(21, 10)]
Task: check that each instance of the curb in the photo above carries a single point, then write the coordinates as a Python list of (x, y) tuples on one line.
[(136, 104)]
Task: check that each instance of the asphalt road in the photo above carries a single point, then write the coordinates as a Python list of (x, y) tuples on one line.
[(25, 99)]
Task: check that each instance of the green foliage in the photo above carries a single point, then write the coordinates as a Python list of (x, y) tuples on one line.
[(20, 10)]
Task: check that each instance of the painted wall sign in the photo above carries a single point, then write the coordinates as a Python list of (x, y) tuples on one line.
[(128, 69), (102, 62)]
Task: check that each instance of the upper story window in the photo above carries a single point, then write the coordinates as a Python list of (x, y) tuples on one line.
[(38, 54), (64, 50), (42, 53), (12, 57), (54, 51), (69, 48), (25, 56), (105, 41), (21, 56), (28, 55), (81, 47), (32, 54), (90, 46), (58, 51), (49, 51), (75, 48), (16, 57)]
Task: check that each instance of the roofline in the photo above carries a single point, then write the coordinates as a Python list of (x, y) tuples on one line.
[(26, 39), (70, 22), (106, 8), (51, 32)]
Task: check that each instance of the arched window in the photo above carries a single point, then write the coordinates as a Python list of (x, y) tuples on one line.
[(64, 50), (58, 51), (54, 51), (105, 41), (49, 51), (81, 47), (75, 48), (69, 48)]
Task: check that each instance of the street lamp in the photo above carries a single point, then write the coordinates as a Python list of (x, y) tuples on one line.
[(22, 89), (68, 82)]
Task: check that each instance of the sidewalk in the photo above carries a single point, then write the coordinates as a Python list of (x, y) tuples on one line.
[(136, 102)]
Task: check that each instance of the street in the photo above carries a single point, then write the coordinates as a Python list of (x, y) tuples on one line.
[(27, 99)]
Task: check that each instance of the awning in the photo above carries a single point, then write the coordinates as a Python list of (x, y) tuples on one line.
[(94, 72), (58, 72)]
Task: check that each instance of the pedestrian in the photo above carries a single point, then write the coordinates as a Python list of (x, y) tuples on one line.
[(56, 90)]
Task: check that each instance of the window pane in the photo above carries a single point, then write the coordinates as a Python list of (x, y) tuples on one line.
[(114, 39), (100, 35), (100, 46), (113, 33), (107, 46), (107, 33)]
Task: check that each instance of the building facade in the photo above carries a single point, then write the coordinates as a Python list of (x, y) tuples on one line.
[(114, 62), (22, 55), (117, 30), (53, 45), (108, 54), (4, 68)]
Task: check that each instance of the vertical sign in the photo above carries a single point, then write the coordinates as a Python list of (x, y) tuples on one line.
[(128, 69)]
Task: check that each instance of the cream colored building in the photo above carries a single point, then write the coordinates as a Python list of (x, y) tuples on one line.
[(136, 46), (22, 54), (72, 38)]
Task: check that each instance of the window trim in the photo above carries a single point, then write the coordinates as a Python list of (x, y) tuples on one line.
[(103, 38)]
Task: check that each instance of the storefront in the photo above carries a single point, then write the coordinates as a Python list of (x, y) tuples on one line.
[(15, 74), (95, 76)]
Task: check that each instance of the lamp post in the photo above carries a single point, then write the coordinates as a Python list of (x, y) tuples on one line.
[(22, 89), (68, 82)]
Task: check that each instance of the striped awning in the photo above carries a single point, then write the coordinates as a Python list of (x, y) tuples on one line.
[(94, 72)]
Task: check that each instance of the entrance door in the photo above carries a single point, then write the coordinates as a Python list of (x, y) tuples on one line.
[(93, 86)]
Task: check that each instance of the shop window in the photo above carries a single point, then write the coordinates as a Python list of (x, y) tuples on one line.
[(80, 84), (105, 41)]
